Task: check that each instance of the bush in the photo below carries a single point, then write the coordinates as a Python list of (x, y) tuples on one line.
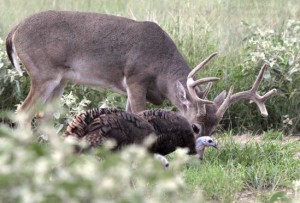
[(48, 171), (280, 50), (13, 88)]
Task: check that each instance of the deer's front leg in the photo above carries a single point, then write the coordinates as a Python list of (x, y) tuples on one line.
[(128, 107), (136, 101)]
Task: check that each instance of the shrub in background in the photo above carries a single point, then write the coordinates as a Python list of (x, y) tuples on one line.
[(13, 88), (280, 49)]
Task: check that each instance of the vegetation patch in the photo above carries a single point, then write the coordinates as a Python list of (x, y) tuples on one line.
[(39, 166)]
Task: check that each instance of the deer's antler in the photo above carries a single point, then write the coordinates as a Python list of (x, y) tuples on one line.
[(251, 94), (191, 83)]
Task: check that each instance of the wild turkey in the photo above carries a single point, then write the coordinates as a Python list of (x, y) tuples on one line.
[(172, 130)]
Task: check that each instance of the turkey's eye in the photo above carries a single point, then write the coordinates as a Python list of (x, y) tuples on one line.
[(195, 129)]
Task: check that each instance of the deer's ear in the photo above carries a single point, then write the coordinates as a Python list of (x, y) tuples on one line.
[(181, 94), (218, 101)]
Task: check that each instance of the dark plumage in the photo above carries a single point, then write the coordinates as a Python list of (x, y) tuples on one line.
[(79, 125), (97, 125), (172, 131)]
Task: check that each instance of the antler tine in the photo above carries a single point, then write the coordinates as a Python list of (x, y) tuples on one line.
[(207, 90), (201, 65), (251, 95), (269, 94), (191, 83), (259, 77), (226, 103), (262, 99)]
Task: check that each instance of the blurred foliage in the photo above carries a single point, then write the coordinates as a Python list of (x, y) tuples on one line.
[(41, 167)]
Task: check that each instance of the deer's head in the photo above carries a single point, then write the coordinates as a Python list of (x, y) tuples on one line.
[(204, 115)]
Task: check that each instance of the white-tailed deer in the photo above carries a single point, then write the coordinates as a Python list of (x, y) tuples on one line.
[(137, 59)]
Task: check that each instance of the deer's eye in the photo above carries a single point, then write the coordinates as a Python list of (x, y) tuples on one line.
[(195, 129), (209, 141)]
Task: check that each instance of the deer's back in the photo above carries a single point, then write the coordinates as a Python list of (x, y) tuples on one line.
[(114, 40)]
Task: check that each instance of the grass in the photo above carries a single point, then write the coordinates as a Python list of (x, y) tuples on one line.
[(241, 172), (215, 181), (263, 167), (198, 27)]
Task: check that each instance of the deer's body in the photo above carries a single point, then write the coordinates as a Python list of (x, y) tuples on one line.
[(137, 59), (130, 57)]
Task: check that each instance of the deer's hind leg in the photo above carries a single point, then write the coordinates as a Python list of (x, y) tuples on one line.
[(40, 91), (44, 86), (56, 94)]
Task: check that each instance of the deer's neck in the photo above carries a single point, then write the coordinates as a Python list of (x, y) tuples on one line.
[(173, 93), (179, 72)]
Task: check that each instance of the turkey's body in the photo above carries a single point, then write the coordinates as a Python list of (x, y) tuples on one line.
[(97, 125), (172, 131)]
